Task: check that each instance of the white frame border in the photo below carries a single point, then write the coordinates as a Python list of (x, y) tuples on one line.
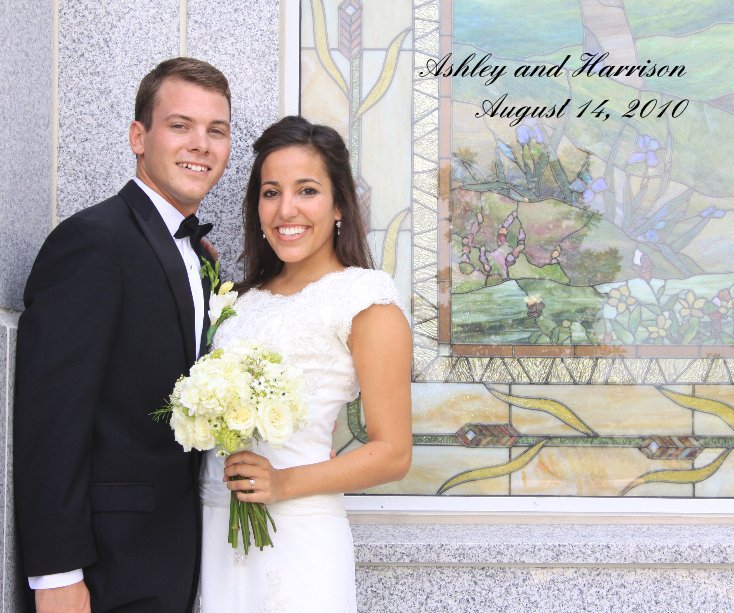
[(537, 505)]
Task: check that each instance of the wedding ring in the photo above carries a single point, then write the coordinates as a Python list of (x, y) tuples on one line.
[(252, 483)]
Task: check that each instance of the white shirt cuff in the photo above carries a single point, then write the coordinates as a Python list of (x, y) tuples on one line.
[(44, 582)]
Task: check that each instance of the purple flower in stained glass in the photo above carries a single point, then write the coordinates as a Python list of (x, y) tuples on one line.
[(712, 211), (527, 131), (647, 148), (589, 187), (593, 188)]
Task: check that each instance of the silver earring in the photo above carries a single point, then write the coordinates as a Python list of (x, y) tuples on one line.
[(338, 225), (263, 234)]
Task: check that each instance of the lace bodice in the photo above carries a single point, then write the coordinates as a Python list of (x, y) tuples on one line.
[(310, 329)]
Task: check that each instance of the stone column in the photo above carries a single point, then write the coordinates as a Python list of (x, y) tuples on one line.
[(26, 77)]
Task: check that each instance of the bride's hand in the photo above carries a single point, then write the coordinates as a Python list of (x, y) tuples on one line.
[(247, 467)]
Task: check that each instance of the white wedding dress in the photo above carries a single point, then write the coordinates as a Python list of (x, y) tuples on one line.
[(311, 566)]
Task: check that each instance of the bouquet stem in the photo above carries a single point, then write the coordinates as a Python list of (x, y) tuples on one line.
[(250, 518)]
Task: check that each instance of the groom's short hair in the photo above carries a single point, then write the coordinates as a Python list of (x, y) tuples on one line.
[(186, 69)]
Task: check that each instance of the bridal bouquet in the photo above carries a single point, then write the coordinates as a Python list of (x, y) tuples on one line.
[(230, 397)]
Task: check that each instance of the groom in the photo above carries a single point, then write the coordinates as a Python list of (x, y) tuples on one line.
[(106, 500)]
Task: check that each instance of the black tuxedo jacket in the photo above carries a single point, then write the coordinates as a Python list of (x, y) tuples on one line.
[(107, 329)]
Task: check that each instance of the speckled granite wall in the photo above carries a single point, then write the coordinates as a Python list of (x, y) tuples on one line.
[(544, 567), (25, 115), (105, 48), (459, 589)]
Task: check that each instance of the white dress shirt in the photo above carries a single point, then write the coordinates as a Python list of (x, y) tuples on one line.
[(172, 218)]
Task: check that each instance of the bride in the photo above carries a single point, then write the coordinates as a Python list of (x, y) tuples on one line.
[(309, 293)]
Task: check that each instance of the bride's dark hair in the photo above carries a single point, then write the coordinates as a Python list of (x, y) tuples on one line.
[(260, 262)]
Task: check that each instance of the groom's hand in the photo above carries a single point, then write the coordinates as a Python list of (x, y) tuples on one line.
[(72, 598)]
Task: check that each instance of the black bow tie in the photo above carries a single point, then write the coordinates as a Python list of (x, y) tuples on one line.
[(191, 227)]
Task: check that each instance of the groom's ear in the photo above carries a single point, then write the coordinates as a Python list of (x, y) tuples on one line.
[(137, 142)]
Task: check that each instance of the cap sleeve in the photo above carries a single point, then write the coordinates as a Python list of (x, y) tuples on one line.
[(367, 287)]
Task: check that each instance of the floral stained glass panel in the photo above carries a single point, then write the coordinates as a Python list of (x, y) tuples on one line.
[(569, 274)]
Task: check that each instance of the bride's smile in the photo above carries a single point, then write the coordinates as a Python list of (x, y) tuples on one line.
[(291, 232)]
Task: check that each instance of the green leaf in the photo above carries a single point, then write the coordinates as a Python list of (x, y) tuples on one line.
[(540, 167), (664, 212), (670, 303), (609, 204), (162, 414), (670, 226), (674, 330), (535, 337), (491, 186), (675, 260), (640, 196), (689, 331), (210, 334), (523, 192), (211, 273), (628, 209), (498, 165), (560, 176), (526, 159), (622, 334), (682, 241), (634, 321)]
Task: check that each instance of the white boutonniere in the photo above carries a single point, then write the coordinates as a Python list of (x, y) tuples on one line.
[(221, 298)]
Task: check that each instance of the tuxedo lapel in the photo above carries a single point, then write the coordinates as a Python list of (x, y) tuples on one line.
[(207, 287), (161, 241)]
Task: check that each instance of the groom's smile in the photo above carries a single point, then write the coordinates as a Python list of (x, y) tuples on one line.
[(194, 167)]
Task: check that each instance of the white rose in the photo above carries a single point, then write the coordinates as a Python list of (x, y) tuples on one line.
[(183, 430), (275, 422), (203, 434), (300, 413), (241, 418)]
